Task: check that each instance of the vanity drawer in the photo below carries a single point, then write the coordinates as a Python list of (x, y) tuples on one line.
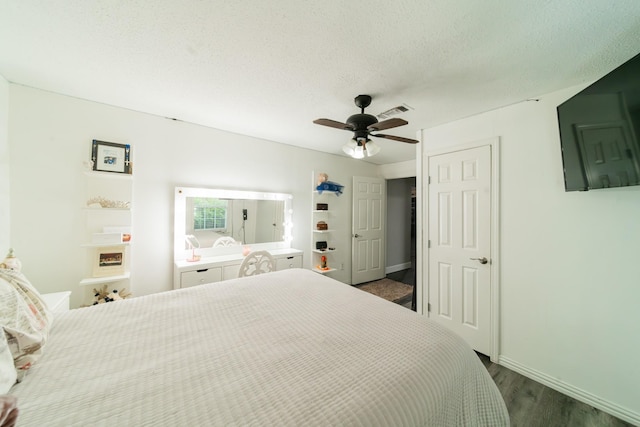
[(200, 277), (292, 261), (230, 271)]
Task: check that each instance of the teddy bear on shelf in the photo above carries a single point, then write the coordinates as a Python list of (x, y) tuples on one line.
[(103, 295), (325, 185)]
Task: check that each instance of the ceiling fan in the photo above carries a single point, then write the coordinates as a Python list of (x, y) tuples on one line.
[(362, 125)]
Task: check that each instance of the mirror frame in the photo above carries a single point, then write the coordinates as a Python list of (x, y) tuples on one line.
[(180, 200)]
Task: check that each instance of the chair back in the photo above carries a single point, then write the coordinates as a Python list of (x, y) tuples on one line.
[(225, 241), (257, 262)]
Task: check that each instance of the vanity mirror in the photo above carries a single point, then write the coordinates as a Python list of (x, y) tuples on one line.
[(222, 221)]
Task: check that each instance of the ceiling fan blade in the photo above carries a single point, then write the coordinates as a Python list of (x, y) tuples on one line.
[(397, 138), (387, 124), (333, 124)]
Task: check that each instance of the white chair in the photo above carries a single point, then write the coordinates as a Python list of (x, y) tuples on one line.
[(225, 241), (257, 262)]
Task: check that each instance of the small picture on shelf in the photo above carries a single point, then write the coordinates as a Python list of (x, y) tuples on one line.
[(109, 261), (111, 157)]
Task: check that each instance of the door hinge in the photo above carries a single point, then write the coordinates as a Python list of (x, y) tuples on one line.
[(428, 244), (429, 307), (429, 180)]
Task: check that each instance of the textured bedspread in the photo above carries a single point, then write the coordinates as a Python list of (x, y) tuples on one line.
[(287, 348)]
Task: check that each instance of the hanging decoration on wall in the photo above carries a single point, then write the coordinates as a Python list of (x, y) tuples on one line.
[(325, 185), (111, 157)]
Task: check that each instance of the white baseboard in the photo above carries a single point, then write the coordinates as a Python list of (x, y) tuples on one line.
[(570, 390), (398, 267)]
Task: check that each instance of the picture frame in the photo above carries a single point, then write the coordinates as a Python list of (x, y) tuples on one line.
[(109, 261), (111, 157)]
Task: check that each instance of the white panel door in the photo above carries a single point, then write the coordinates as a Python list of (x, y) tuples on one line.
[(459, 244), (368, 229)]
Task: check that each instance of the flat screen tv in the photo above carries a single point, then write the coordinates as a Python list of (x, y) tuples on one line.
[(599, 129)]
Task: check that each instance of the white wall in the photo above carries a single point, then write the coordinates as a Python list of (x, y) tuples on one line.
[(569, 281), (5, 236), (50, 136)]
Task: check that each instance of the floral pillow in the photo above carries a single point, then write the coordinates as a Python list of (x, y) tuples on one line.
[(25, 319)]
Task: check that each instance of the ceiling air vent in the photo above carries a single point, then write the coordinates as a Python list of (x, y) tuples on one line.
[(394, 111)]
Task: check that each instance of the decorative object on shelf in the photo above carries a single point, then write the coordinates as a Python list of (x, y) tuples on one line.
[(322, 207), (193, 243), (321, 225), (106, 203), (325, 185), (111, 157), (11, 262), (109, 261), (103, 295), (323, 261), (321, 245)]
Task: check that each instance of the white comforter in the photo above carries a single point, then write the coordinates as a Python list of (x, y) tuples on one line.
[(287, 348)]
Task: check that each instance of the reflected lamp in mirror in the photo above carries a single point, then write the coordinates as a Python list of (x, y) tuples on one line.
[(193, 243)]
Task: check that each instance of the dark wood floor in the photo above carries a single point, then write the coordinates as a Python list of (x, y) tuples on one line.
[(530, 403)]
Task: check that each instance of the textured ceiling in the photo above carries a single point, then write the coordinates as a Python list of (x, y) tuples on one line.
[(269, 68)]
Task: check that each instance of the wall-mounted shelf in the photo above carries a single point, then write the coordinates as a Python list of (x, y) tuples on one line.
[(323, 271), (103, 245), (106, 188), (107, 279), (319, 251), (329, 235), (109, 175)]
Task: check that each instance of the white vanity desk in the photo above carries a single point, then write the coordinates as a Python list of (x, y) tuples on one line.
[(263, 221), (224, 267)]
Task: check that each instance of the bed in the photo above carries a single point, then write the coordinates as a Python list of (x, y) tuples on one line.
[(288, 348)]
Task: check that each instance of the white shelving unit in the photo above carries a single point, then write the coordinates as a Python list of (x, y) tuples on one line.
[(112, 195), (323, 235)]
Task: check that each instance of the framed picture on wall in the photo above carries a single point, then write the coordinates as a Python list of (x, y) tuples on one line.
[(111, 157), (109, 261)]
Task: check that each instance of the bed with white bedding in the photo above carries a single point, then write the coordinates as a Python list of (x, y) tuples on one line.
[(288, 348)]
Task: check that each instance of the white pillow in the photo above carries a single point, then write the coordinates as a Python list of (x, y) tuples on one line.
[(8, 374), (25, 319)]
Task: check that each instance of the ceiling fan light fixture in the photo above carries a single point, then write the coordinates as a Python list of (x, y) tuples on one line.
[(359, 152), (350, 147), (372, 148), (363, 124)]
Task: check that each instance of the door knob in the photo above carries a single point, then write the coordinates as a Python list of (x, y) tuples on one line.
[(482, 260), (356, 235)]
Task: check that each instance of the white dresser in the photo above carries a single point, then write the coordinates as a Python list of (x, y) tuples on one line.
[(224, 267)]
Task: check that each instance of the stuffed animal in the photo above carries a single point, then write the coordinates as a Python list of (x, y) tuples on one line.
[(325, 185), (11, 262), (103, 295)]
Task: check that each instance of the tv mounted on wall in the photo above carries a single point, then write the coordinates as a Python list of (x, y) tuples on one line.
[(599, 129)]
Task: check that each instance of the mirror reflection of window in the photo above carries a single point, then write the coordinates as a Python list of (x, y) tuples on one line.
[(209, 214)]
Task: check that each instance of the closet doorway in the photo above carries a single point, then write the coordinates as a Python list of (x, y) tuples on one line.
[(401, 233)]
